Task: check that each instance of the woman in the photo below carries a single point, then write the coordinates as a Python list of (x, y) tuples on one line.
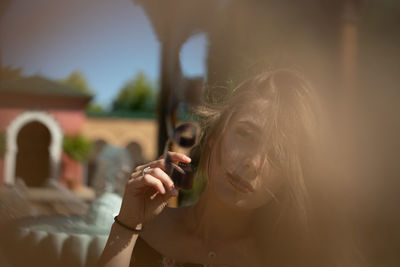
[(256, 153)]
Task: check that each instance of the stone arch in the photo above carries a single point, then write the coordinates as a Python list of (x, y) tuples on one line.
[(135, 149), (143, 139), (55, 148), (102, 134)]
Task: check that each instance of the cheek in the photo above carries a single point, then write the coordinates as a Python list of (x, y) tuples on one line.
[(231, 151)]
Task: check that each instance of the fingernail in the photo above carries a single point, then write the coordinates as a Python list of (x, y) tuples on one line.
[(187, 158), (174, 192)]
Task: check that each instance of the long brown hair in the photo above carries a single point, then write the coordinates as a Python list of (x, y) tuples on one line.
[(292, 128), (288, 225), (303, 226)]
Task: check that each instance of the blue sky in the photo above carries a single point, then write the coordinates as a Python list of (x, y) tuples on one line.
[(108, 41)]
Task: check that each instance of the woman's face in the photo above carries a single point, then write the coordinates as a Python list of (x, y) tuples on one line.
[(240, 173)]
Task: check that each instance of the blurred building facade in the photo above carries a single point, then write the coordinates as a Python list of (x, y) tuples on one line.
[(35, 113), (122, 132)]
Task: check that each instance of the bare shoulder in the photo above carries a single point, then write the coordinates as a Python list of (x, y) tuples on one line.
[(163, 229)]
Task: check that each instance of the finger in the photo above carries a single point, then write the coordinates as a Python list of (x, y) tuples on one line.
[(160, 163), (155, 196), (149, 180), (166, 197), (160, 202), (178, 157), (163, 177), (154, 164)]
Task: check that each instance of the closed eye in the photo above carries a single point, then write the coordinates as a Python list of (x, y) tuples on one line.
[(245, 133)]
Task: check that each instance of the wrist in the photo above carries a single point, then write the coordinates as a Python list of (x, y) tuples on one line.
[(134, 227), (128, 217)]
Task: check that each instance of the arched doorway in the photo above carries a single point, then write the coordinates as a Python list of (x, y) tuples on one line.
[(13, 131), (33, 157)]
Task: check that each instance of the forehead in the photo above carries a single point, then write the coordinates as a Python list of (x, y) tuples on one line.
[(256, 112)]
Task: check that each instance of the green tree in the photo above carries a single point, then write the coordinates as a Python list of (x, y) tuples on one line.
[(77, 81), (136, 95), (77, 147), (95, 108)]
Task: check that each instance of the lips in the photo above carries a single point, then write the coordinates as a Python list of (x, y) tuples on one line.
[(239, 184)]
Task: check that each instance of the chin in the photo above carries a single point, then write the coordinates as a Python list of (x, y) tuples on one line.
[(234, 199)]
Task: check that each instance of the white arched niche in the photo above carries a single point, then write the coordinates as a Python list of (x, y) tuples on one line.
[(55, 147)]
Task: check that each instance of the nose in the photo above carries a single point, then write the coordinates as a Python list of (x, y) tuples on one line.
[(251, 166)]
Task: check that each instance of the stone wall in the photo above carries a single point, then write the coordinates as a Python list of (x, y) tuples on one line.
[(120, 132)]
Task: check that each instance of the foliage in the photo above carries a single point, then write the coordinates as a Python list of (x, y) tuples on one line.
[(77, 80), (10, 73), (3, 144), (95, 108), (136, 95), (77, 147)]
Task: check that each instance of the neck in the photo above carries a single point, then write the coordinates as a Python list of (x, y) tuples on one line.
[(215, 221)]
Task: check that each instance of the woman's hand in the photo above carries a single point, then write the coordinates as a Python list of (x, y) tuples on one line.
[(148, 191)]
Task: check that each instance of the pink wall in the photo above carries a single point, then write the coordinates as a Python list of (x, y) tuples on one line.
[(71, 121), (7, 115)]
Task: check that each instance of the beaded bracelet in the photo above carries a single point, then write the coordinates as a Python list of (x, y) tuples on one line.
[(136, 229)]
